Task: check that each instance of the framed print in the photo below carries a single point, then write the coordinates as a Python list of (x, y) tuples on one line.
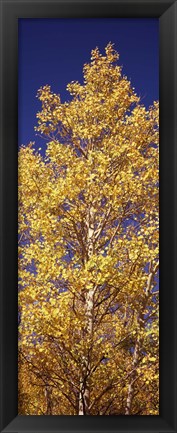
[(88, 218), (82, 180)]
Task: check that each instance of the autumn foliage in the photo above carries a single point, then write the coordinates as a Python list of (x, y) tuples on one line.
[(88, 251)]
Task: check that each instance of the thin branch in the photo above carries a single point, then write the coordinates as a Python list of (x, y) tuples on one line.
[(106, 389)]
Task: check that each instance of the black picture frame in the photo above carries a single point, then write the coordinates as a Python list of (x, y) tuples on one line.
[(166, 11)]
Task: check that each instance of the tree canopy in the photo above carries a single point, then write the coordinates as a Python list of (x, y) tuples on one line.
[(88, 250)]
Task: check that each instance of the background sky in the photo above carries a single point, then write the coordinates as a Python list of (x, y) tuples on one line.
[(53, 51)]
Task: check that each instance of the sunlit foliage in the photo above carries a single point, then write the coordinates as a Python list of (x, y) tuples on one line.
[(88, 251)]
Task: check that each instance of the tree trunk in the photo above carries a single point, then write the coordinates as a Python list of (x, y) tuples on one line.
[(140, 322), (84, 396), (132, 378), (48, 401)]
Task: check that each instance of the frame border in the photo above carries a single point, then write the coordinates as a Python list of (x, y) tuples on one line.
[(166, 11)]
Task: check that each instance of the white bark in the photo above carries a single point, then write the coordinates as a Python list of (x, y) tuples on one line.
[(48, 401), (84, 396), (133, 378)]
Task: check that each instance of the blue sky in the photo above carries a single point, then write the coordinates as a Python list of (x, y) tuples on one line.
[(53, 51)]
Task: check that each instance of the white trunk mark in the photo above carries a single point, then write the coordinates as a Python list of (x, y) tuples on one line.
[(133, 377), (48, 401), (84, 395)]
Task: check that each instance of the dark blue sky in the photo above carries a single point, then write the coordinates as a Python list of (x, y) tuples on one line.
[(53, 51)]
